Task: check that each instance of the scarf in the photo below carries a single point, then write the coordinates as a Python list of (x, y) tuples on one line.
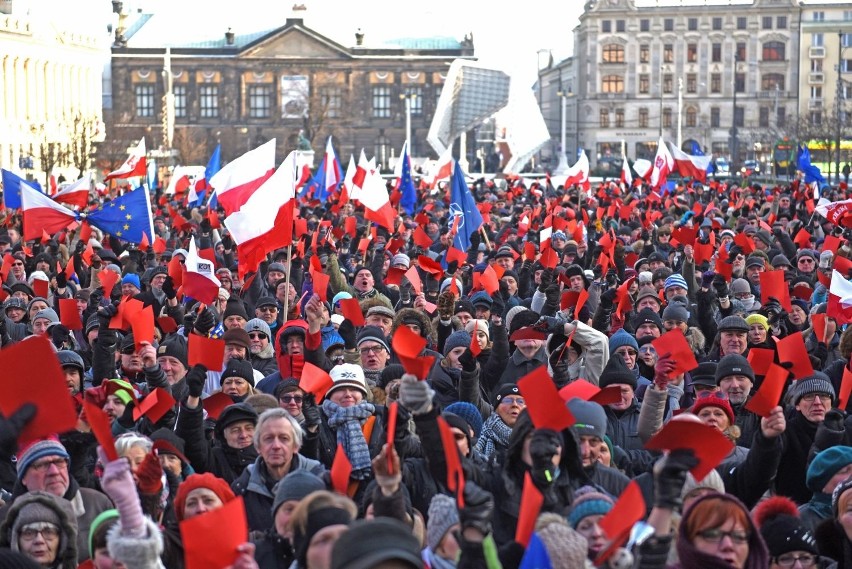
[(495, 434), (372, 376), (347, 422), (675, 395), (435, 561)]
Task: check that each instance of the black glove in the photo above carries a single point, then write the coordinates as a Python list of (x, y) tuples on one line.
[(227, 243), (105, 314), (720, 285), (551, 324), (546, 279), (80, 247), (205, 322), (475, 240), (478, 509), (670, 476), (195, 379), (205, 226), (60, 336), (707, 279), (733, 252), (504, 291), (612, 278), (169, 288), (498, 306), (61, 279), (544, 445), (608, 297), (597, 272), (452, 267), (96, 297), (347, 332), (310, 411), (552, 295), (11, 428), (126, 420), (467, 361)]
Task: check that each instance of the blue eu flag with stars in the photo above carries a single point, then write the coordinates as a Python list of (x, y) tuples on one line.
[(127, 217)]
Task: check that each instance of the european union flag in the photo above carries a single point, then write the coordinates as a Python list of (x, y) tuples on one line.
[(12, 189), (406, 186), (127, 217), (463, 207), (803, 163)]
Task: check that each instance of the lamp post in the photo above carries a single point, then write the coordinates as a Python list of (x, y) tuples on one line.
[(662, 90), (734, 118), (563, 157), (408, 97), (838, 100)]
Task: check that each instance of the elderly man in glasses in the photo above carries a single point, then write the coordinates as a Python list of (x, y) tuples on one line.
[(262, 355), (268, 310)]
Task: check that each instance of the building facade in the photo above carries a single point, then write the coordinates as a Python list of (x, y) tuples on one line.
[(283, 80), (688, 74)]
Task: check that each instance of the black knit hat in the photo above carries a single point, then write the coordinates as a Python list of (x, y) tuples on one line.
[(238, 368), (522, 319), (647, 316), (733, 364), (176, 347), (784, 534), (617, 372), (504, 390), (235, 307), (369, 543), (464, 305)]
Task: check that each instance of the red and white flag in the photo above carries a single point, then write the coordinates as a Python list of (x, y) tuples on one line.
[(578, 173), (443, 168), (42, 214), (134, 166), (643, 168), (839, 299), (663, 165), (838, 213), (690, 166), (544, 237), (180, 181), (265, 222), (240, 178), (199, 280), (626, 174), (77, 193), (374, 196), (363, 168), (346, 186), (333, 169)]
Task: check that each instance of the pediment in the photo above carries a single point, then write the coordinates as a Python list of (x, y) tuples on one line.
[(295, 42)]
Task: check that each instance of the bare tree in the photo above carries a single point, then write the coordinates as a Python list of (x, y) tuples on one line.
[(325, 115), (81, 149), (824, 133), (112, 152), (191, 144), (50, 154)]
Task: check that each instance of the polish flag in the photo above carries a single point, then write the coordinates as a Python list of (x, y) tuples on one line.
[(239, 179), (42, 214), (134, 166), (839, 299), (544, 238), (179, 182), (363, 168), (643, 168), (333, 169), (689, 166), (52, 185), (265, 222), (346, 186), (199, 280), (443, 169), (376, 200), (838, 213), (663, 165), (626, 175), (77, 193), (578, 174)]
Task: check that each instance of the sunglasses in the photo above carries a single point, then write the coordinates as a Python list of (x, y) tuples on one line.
[(129, 351), (713, 394), (268, 308), (258, 336), (292, 398), (627, 352)]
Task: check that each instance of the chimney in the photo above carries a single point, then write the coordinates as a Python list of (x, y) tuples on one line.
[(359, 37), (229, 37)]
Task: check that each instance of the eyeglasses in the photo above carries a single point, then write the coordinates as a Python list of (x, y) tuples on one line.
[(804, 559), (716, 535), (823, 397), (128, 351), (268, 308), (712, 394), (258, 336), (806, 260), (58, 462), (18, 264), (647, 350), (519, 401), (627, 352), (47, 531), (372, 349), (292, 398)]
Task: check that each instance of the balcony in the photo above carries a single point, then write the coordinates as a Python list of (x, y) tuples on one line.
[(815, 104), (816, 78), (816, 52), (774, 95)]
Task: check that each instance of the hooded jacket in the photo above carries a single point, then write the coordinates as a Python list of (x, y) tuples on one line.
[(66, 554)]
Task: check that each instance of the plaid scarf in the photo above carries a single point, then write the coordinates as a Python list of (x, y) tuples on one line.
[(347, 422), (495, 434)]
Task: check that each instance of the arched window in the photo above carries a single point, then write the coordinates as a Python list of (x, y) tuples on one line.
[(612, 84), (691, 117), (774, 51), (772, 81), (613, 53)]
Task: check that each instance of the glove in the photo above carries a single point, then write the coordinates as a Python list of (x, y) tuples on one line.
[(61, 280), (467, 361), (478, 509), (195, 379), (498, 306), (670, 476), (446, 305), (504, 291), (126, 420), (11, 428), (310, 411), (707, 279), (612, 278), (452, 267), (608, 297), (834, 420), (550, 324), (105, 314), (60, 336), (733, 252), (150, 475), (79, 247), (169, 288), (414, 395), (662, 370), (546, 279), (552, 295), (227, 243), (117, 483), (544, 445), (720, 285), (597, 272), (205, 226), (347, 332), (205, 322), (188, 321)]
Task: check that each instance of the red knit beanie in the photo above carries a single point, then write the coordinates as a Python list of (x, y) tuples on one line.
[(715, 399), (206, 480)]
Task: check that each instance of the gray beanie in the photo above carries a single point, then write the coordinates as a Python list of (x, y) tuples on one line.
[(48, 313), (443, 515), (589, 417), (457, 339), (816, 383), (258, 325), (295, 486), (401, 259), (676, 311)]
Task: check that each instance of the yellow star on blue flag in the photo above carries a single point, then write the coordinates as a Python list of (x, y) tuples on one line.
[(130, 220)]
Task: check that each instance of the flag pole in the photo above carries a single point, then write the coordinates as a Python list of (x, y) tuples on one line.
[(485, 236), (287, 277)]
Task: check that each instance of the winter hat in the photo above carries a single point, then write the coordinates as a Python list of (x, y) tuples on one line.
[(616, 372), (648, 291), (176, 347), (373, 334), (72, 359), (401, 259), (825, 465), (237, 336), (589, 418), (39, 449), (469, 413), (390, 373), (523, 319), (704, 374), (758, 319), (755, 261), (714, 399), (676, 311), (464, 305), (369, 543), (194, 481), (380, 310), (565, 547), (647, 316), (279, 267), (740, 286), (43, 507), (780, 260), (481, 298), (295, 486), (733, 323), (49, 314), (238, 368), (347, 375), (458, 339), (588, 501), (818, 382), (258, 325), (443, 515), (166, 441), (514, 311), (286, 386), (675, 279), (839, 501), (622, 338), (480, 325), (92, 322), (712, 481), (505, 390), (733, 364), (454, 421), (781, 528), (511, 274), (131, 278), (235, 307), (445, 284), (13, 560), (235, 413)]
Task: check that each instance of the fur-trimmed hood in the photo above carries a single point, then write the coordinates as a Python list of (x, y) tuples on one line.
[(409, 313), (696, 340), (67, 552)]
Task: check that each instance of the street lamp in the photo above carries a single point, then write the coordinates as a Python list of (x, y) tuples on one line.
[(734, 118), (409, 98), (563, 157), (663, 70)]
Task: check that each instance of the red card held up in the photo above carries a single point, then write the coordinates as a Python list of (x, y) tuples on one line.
[(341, 469), (32, 374), (68, 315), (101, 428), (772, 283), (414, 278), (708, 443), (531, 502), (210, 352), (216, 403), (607, 396), (455, 473), (617, 523), (394, 276), (527, 333), (767, 397), (579, 389), (351, 309), (41, 287), (393, 411), (408, 347), (167, 324), (315, 380), (792, 350), (674, 343), (818, 325), (760, 359), (546, 408), (154, 406), (320, 281), (845, 389), (210, 540), (142, 325), (108, 279)]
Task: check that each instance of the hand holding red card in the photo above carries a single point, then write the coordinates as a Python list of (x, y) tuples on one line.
[(546, 408), (767, 397), (772, 284), (351, 309), (315, 380), (154, 406), (408, 348), (210, 540), (617, 523), (209, 352), (708, 443), (674, 342), (792, 351)]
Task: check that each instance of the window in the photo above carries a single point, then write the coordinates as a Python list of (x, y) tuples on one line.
[(846, 40), (606, 26), (643, 118), (816, 65), (819, 17), (766, 23), (604, 118), (715, 117), (739, 82), (668, 53), (260, 101), (816, 92), (716, 83), (780, 117), (612, 84), (668, 24), (691, 83), (667, 118), (716, 53), (847, 15), (644, 84), (383, 150), (691, 117), (739, 116), (619, 118), (613, 53), (381, 102), (846, 65), (717, 23), (817, 40), (772, 82), (145, 100), (416, 96), (781, 22), (331, 99), (816, 118), (692, 24), (741, 51), (208, 96), (644, 53), (692, 53), (774, 51), (763, 118), (644, 25), (668, 83), (180, 101), (742, 22), (620, 26)]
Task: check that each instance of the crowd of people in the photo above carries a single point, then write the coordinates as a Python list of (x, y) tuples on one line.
[(579, 281)]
